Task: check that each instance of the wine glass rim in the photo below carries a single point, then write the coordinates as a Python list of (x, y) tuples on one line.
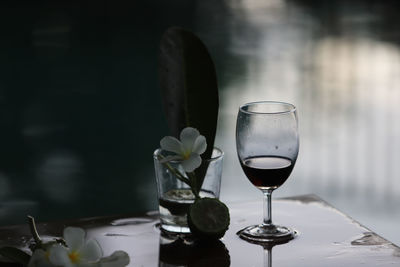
[(290, 110)]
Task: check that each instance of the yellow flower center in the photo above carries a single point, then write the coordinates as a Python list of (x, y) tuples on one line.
[(73, 256), (186, 155)]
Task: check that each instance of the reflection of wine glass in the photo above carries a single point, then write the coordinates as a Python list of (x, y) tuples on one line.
[(268, 257), (267, 247), (267, 145)]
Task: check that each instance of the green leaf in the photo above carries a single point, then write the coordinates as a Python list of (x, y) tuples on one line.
[(15, 255), (189, 87)]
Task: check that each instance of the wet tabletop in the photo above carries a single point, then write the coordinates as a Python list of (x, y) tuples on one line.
[(326, 237)]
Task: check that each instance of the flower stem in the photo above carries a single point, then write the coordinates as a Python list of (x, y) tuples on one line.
[(32, 226), (176, 172), (193, 184)]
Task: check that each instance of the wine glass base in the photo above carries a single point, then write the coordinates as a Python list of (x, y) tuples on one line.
[(267, 234)]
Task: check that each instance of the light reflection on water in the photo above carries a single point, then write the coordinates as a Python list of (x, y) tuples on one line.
[(346, 88)]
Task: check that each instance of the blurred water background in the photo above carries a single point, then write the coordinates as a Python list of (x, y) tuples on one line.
[(80, 108)]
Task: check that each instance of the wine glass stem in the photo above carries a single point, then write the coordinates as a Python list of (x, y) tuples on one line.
[(267, 207)]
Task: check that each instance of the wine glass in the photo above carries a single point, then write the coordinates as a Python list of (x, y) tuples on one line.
[(267, 143)]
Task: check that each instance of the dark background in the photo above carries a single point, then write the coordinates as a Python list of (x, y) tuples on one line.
[(80, 108)]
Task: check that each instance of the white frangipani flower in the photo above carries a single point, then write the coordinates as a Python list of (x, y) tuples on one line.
[(40, 258), (78, 253), (187, 150)]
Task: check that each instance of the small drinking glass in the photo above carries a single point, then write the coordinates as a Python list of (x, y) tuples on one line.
[(267, 144), (175, 197)]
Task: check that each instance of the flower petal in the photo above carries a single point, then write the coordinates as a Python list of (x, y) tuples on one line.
[(74, 237), (39, 259), (170, 143), (91, 251), (117, 259), (200, 145), (59, 256), (191, 163), (188, 137)]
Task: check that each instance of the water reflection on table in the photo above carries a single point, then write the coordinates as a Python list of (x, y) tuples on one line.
[(325, 237)]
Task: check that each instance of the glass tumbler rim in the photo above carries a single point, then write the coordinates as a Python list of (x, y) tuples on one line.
[(220, 154), (291, 108)]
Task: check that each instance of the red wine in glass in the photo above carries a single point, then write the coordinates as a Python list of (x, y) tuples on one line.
[(267, 172)]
